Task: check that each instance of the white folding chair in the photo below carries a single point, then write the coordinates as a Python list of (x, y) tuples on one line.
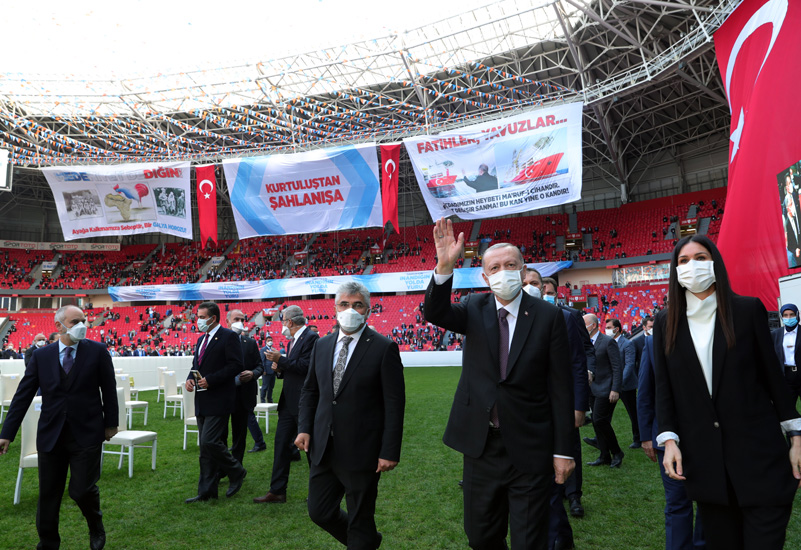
[(118, 370), (28, 456), (160, 392), (8, 387), (128, 440), (263, 410), (190, 420), (172, 399), (131, 406)]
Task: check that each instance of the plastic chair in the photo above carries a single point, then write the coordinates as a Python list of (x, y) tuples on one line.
[(131, 406), (172, 399), (160, 392), (8, 387), (190, 419), (131, 439), (28, 456), (262, 410)]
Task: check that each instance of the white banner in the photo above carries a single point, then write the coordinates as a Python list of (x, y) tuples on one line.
[(49, 266), (321, 190), (506, 166), (123, 199), (411, 281), (28, 245), (217, 260)]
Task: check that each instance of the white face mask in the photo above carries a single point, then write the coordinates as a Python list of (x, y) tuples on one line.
[(286, 332), (696, 276), (203, 325), (350, 320), (647, 332), (610, 332), (40, 343), (238, 327), (77, 332), (533, 291), (505, 284)]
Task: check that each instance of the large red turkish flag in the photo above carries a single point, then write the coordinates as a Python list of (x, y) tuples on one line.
[(758, 54), (206, 203), (390, 158)]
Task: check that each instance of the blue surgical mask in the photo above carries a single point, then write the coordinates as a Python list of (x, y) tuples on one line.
[(790, 322), (550, 299)]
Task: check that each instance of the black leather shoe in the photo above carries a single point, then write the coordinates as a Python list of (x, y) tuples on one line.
[(234, 487), (258, 448), (591, 441), (198, 499), (97, 538), (600, 462), (380, 537), (563, 544), (587, 420), (635, 445), (617, 460), (576, 509)]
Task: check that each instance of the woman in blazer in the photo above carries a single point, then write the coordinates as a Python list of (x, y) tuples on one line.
[(723, 405)]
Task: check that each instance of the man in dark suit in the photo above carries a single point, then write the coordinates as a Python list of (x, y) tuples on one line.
[(292, 368), (628, 393), (351, 421), (679, 531), (268, 377), (79, 411), (247, 387), (786, 344), (40, 340), (512, 415), (484, 181), (605, 386), (217, 361)]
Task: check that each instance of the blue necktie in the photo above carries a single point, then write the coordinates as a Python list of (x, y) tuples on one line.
[(68, 361)]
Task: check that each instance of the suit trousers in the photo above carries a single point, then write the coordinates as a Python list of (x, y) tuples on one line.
[(602, 411), (239, 432), (572, 487), (285, 433), (498, 497), (267, 385), (255, 430), (214, 455), (793, 378), (629, 398), (84, 467), (679, 531), (328, 483)]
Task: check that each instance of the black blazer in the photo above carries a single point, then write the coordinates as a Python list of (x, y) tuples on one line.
[(246, 393), (293, 368), (577, 336), (86, 400), (608, 367), (778, 346), (535, 402), (736, 431), (366, 415), (222, 361)]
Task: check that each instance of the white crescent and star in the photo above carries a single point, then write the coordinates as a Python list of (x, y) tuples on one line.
[(387, 165), (206, 195), (772, 12)]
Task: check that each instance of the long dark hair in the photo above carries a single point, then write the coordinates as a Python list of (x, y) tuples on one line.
[(677, 301)]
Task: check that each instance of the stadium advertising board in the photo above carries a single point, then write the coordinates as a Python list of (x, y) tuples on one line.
[(123, 199), (321, 190), (505, 166), (29, 245), (410, 281)]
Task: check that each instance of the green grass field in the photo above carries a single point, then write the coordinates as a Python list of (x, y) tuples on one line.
[(419, 503)]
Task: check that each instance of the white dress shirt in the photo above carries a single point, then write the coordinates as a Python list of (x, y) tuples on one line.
[(789, 346), (351, 346)]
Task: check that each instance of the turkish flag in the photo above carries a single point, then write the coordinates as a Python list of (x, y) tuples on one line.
[(390, 158), (758, 54), (206, 203)]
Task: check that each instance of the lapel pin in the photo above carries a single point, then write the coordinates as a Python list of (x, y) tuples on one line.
[(525, 313)]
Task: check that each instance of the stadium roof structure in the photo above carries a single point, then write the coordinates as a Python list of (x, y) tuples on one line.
[(645, 70)]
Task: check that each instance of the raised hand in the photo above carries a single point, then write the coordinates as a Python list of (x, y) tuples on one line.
[(449, 247)]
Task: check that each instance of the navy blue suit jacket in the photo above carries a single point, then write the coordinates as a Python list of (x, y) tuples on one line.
[(222, 361), (293, 369), (86, 400), (646, 393)]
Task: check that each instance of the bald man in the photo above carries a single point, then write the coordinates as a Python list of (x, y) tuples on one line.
[(39, 341), (79, 412)]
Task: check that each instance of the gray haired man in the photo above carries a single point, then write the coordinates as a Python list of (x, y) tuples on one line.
[(292, 368)]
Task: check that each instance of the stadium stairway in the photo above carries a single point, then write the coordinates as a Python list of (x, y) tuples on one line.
[(476, 231), (205, 269)]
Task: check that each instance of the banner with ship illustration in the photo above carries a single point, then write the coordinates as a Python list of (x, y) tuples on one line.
[(506, 166), (123, 199)]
